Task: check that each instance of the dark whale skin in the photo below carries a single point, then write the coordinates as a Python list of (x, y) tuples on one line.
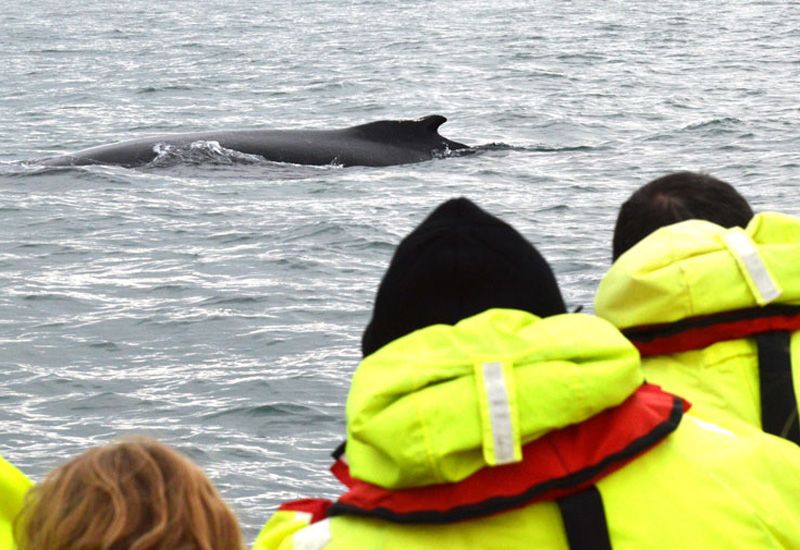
[(381, 143)]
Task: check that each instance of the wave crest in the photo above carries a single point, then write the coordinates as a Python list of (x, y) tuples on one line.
[(200, 152)]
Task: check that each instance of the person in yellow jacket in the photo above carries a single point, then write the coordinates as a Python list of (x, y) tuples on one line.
[(715, 311), (485, 416), (14, 485)]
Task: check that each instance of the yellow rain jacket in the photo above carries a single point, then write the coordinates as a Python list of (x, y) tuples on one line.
[(422, 412), (13, 487), (686, 281)]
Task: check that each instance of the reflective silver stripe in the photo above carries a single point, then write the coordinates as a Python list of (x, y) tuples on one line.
[(314, 537), (760, 281), (499, 413)]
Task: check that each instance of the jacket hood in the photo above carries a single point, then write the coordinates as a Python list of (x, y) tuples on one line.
[(697, 268), (459, 261), (418, 413)]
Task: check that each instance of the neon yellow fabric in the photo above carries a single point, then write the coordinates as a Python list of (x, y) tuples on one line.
[(402, 427), (687, 270), (702, 487), (13, 487), (279, 529)]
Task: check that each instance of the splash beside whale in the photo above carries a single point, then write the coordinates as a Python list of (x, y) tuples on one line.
[(381, 143)]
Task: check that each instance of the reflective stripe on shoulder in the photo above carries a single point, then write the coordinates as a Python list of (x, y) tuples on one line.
[(314, 537), (559, 463), (498, 404), (760, 281)]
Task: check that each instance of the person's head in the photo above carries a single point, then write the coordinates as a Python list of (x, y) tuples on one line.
[(675, 198), (133, 495), (459, 262)]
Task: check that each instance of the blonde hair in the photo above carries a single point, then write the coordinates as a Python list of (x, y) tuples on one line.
[(137, 494)]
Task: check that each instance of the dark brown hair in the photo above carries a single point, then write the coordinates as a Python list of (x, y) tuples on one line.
[(674, 198)]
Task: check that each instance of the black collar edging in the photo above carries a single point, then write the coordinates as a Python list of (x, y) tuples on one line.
[(500, 504), (646, 333)]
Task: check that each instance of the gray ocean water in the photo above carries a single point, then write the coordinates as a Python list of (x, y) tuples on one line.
[(216, 301)]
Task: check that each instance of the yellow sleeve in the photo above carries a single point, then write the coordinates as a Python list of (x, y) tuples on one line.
[(277, 532), (14, 485)]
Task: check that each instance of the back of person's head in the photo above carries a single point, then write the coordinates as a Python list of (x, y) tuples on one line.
[(675, 198), (138, 494), (459, 262)]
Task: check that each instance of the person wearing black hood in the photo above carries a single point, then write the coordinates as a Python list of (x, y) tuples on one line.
[(485, 416), (459, 262)]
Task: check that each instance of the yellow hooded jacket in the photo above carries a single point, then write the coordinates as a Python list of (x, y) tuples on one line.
[(13, 487), (418, 416), (696, 273)]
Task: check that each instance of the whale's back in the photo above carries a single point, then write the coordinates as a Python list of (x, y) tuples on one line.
[(380, 143)]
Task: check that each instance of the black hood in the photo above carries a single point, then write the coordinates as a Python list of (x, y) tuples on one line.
[(459, 262)]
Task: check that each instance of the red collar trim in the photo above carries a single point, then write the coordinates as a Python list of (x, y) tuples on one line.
[(560, 463), (317, 508), (701, 332)]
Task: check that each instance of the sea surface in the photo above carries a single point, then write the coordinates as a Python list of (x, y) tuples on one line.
[(216, 300)]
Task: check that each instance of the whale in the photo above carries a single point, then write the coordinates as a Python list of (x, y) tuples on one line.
[(380, 143)]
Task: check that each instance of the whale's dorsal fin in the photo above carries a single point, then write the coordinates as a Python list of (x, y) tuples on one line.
[(425, 126), (430, 122)]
